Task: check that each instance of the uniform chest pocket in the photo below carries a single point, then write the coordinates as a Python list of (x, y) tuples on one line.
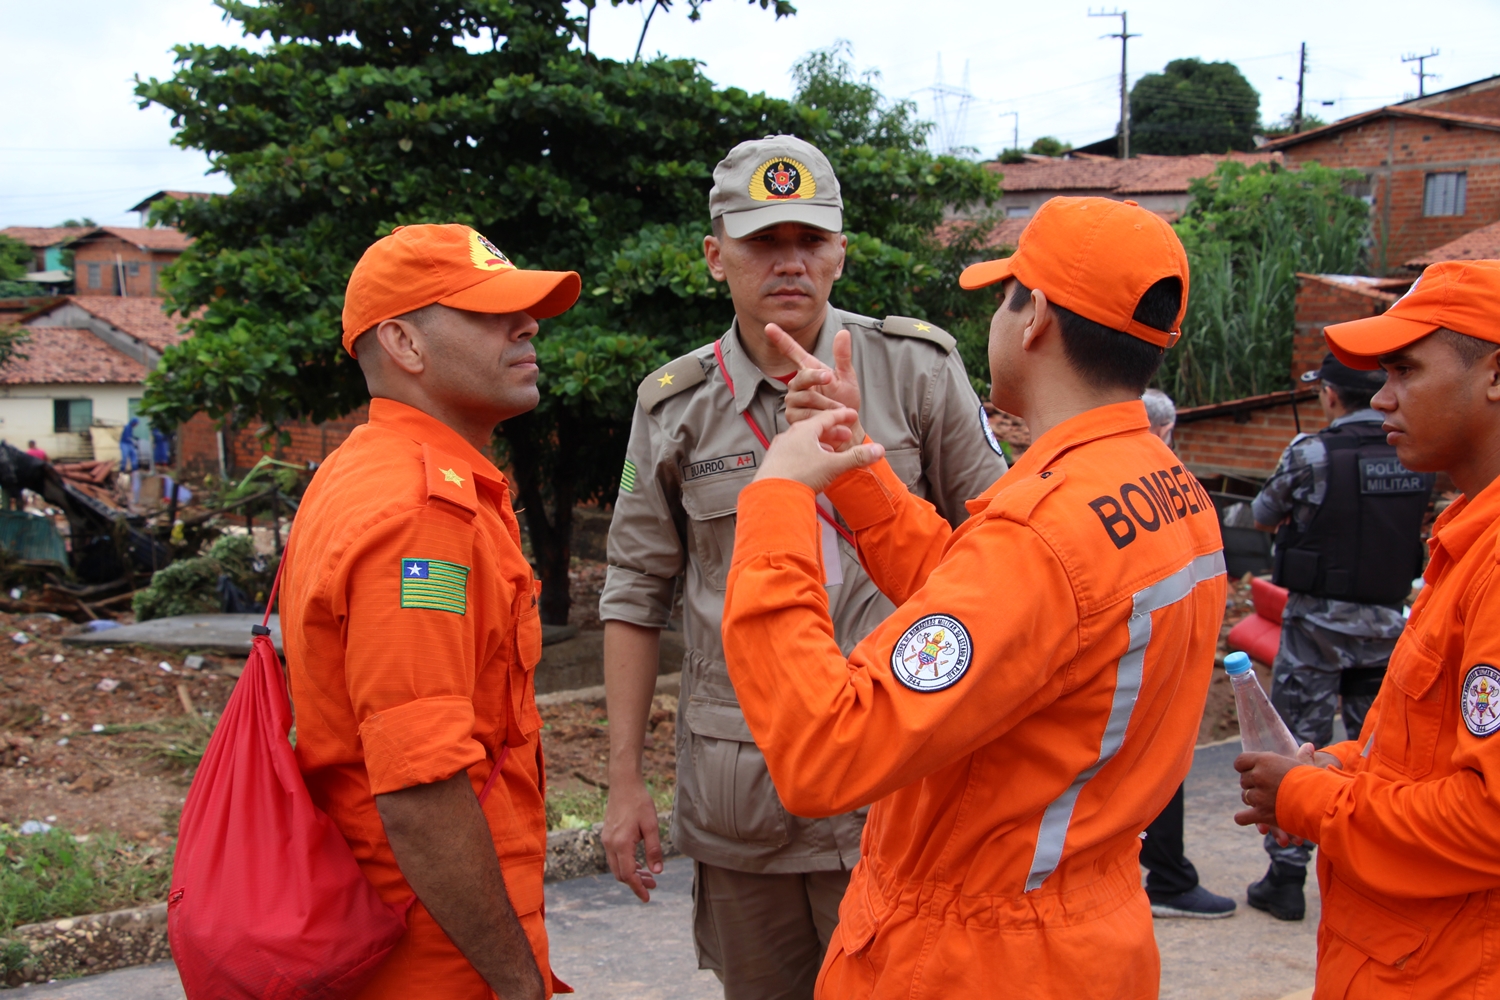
[(710, 507), (906, 463), (1411, 717)]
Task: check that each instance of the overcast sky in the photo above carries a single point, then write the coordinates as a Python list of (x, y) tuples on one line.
[(73, 143)]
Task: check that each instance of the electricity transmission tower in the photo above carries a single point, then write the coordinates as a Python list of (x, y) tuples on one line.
[(951, 105), (1124, 36), (1421, 71)]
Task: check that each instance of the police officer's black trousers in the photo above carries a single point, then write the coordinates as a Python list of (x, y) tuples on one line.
[(1168, 871)]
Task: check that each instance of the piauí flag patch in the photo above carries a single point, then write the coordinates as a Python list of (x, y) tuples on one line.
[(434, 584), (627, 477)]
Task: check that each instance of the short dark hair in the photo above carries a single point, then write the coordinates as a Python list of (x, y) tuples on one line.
[(1112, 359), (1470, 350), (1352, 399)]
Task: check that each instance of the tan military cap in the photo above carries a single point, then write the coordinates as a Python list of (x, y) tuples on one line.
[(780, 178)]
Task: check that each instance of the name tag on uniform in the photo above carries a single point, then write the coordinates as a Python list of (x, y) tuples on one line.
[(714, 466), (1388, 476)]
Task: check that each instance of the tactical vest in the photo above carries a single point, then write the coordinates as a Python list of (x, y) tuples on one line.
[(1364, 544)]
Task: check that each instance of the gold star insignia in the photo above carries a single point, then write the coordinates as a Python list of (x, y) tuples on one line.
[(450, 476), (665, 380), (923, 327)]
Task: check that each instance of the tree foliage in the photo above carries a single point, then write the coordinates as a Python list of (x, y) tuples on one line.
[(15, 258), (1048, 146), (1247, 232), (360, 116), (1193, 107)]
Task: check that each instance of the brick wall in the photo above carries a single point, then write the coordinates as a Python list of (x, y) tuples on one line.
[(1397, 154), (1249, 448), (1484, 102), (101, 251), (1250, 443), (198, 445)]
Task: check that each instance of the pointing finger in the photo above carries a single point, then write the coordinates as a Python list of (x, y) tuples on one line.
[(784, 343), (843, 353)]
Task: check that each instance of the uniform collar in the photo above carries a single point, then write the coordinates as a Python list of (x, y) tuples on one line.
[(1461, 525), (1365, 416), (748, 377), (1091, 425), (423, 428)]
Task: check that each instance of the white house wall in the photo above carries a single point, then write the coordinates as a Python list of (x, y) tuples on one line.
[(26, 415)]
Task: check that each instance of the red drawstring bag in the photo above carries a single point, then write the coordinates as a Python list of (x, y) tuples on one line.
[(267, 901)]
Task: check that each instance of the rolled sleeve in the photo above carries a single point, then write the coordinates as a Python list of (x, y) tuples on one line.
[(420, 742), (412, 661)]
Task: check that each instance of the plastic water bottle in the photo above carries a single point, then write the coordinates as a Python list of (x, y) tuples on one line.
[(1261, 729)]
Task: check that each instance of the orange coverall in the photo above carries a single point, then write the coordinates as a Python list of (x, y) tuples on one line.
[(1069, 629), (1408, 832), (395, 686)]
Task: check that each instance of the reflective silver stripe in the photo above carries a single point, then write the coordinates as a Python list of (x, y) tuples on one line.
[(1058, 815)]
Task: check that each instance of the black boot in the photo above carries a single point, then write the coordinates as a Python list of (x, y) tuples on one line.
[(1280, 892)]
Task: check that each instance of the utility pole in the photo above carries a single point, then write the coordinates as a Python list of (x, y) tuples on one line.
[(1301, 78), (1124, 36), (1421, 71), (1015, 142)]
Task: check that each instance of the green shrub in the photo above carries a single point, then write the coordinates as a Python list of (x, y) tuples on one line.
[(1247, 232), (190, 586), (54, 874)]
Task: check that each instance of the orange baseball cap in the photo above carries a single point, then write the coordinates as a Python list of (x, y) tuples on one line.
[(452, 265), (1462, 296), (1095, 257)]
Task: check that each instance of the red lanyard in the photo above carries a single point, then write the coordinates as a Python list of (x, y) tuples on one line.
[(765, 442)]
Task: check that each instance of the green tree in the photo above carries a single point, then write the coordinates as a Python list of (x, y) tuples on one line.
[(1286, 125), (1048, 146), (15, 261), (356, 117), (1193, 107), (1247, 232)]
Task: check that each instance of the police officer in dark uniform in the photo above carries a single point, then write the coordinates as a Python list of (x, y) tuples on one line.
[(1348, 523)]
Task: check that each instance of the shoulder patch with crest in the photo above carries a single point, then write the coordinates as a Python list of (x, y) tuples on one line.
[(933, 654), (670, 379), (1480, 701), (905, 326)]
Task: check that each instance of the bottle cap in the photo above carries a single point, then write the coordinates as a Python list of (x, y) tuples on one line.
[(1236, 664)]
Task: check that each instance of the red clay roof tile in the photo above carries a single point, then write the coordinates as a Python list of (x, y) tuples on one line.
[(57, 354)]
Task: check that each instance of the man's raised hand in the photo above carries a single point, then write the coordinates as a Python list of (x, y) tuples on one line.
[(816, 387), (818, 450)]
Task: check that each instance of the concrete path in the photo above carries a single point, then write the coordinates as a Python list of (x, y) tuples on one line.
[(607, 945), (215, 633)]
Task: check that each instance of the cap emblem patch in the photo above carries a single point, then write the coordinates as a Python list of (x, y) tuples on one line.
[(782, 179), (933, 654), (1480, 701), (486, 256)]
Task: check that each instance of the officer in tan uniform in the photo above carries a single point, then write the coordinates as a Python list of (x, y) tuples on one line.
[(767, 884)]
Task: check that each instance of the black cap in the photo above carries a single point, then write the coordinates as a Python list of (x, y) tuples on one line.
[(1336, 372)]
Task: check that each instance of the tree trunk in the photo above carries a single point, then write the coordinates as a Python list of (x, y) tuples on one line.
[(551, 536)]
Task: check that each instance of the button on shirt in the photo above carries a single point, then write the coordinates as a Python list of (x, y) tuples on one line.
[(412, 635)]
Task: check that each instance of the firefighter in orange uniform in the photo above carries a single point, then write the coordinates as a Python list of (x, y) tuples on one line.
[(1032, 704), (410, 618), (1407, 817)]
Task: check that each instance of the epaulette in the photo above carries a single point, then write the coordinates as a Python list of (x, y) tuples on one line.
[(1016, 502), (450, 479), (905, 326), (670, 379)]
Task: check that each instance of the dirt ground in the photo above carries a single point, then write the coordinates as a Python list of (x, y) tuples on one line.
[(54, 766)]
